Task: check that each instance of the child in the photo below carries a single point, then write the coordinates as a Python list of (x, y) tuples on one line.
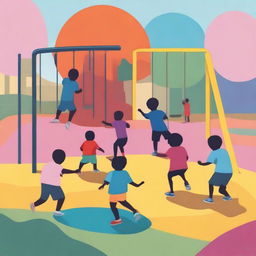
[(89, 148), (223, 168), (70, 86), (50, 181), (118, 181), (178, 165), (156, 118), (186, 106), (120, 127)]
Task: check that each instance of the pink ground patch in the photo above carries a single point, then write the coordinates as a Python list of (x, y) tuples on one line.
[(52, 136), (236, 242)]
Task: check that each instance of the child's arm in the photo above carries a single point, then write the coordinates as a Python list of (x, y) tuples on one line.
[(101, 149), (142, 113), (203, 164), (128, 125), (136, 185), (106, 123), (104, 184), (67, 171), (78, 91)]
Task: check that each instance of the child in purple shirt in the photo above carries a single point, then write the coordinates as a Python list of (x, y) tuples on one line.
[(120, 127)]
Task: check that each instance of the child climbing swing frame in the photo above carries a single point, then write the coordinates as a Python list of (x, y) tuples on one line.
[(56, 50), (210, 84)]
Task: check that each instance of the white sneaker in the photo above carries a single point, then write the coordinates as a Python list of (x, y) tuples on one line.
[(58, 213), (67, 125), (137, 216), (32, 207), (55, 121)]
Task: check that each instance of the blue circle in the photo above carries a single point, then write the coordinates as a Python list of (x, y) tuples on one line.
[(98, 220), (175, 30)]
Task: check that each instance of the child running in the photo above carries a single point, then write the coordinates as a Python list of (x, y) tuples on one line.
[(118, 181), (186, 106), (156, 118), (223, 168), (70, 87), (50, 181), (120, 127), (178, 164), (89, 148)]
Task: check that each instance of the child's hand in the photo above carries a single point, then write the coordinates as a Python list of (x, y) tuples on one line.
[(141, 183), (103, 122), (139, 110)]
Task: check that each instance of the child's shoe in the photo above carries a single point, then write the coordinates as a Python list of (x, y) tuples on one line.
[(32, 207), (169, 194), (188, 187), (154, 153), (67, 125), (58, 213), (137, 216), (227, 198), (116, 222), (208, 200), (55, 121)]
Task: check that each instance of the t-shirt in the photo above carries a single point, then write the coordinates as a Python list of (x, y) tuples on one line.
[(51, 174), (118, 182), (156, 118), (89, 147), (221, 160), (68, 90), (186, 109), (178, 156), (120, 127)]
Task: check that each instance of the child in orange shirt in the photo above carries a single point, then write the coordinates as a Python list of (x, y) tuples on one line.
[(89, 148), (186, 106)]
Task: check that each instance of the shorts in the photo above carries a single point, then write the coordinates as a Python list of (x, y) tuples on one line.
[(220, 179), (156, 135), (55, 192), (176, 173), (89, 159), (117, 198), (67, 105)]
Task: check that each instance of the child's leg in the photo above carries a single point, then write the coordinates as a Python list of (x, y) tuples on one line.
[(59, 204), (128, 206), (223, 190), (155, 145), (58, 114), (211, 188), (95, 167), (81, 165), (170, 181), (71, 115), (188, 119), (39, 202), (122, 143), (184, 179), (114, 210), (115, 146)]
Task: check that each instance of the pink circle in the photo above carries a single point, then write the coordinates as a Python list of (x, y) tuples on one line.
[(231, 39), (22, 29)]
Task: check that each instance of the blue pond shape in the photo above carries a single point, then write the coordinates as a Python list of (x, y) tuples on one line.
[(98, 220)]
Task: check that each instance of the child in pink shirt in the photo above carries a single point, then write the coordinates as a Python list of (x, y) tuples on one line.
[(50, 181), (178, 164)]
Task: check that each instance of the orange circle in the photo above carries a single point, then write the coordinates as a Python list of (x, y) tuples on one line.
[(103, 25)]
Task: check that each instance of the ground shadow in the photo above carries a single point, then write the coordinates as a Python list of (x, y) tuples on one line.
[(195, 201), (97, 219), (93, 177)]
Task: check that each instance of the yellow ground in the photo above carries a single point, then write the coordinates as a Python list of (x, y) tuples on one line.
[(184, 215)]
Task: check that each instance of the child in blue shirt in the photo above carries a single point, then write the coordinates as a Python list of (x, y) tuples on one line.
[(70, 87), (118, 181), (158, 125), (223, 168)]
